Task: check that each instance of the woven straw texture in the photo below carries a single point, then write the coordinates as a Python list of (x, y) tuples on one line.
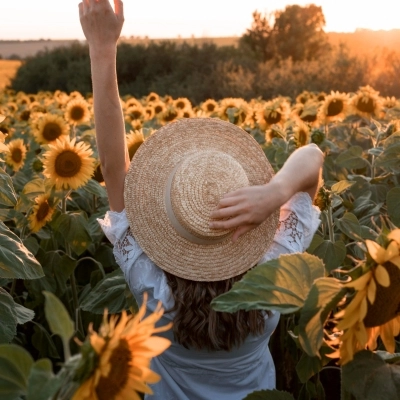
[(176, 178)]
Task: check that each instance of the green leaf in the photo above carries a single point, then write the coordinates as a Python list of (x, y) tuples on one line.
[(8, 326), (74, 227), (57, 316), (269, 395), (16, 261), (15, 366), (108, 293), (390, 158), (95, 188), (11, 314), (324, 295), (393, 205), (332, 254), (8, 197), (341, 186), (352, 158), (43, 342), (368, 377), (34, 188), (308, 366), (350, 226), (390, 358), (281, 285), (42, 383)]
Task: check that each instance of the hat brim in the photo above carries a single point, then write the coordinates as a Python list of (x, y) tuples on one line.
[(145, 201)]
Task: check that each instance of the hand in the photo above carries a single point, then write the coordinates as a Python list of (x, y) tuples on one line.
[(100, 24), (246, 208)]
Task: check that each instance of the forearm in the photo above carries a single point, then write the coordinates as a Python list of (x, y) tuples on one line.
[(300, 173), (109, 122)]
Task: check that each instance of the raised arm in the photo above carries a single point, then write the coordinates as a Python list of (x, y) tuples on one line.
[(248, 207), (102, 27)]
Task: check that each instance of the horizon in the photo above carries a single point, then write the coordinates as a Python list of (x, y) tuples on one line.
[(169, 20)]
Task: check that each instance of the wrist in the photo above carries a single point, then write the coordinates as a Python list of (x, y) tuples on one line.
[(281, 188), (102, 52)]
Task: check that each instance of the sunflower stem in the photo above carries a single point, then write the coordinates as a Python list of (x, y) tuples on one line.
[(330, 225), (67, 350), (75, 301)]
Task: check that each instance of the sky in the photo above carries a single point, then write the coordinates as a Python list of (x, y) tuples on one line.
[(58, 19)]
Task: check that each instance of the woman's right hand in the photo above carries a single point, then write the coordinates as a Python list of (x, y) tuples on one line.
[(100, 24)]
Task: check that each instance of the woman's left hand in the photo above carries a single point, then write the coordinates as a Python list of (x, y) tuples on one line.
[(246, 208)]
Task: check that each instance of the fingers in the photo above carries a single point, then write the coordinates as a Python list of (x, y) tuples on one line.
[(226, 212), (229, 223), (119, 8), (81, 11), (241, 231)]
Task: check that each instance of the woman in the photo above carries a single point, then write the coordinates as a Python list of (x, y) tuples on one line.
[(197, 207)]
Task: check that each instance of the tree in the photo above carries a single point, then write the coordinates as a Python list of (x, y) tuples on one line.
[(258, 39), (298, 33)]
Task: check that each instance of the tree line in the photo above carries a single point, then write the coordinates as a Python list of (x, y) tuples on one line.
[(281, 53)]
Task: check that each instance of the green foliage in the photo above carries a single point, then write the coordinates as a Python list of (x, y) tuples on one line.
[(364, 376), (281, 285), (269, 395)]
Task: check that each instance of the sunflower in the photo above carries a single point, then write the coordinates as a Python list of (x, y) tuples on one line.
[(152, 97), (373, 311), (302, 134), (231, 102), (133, 140), (188, 113), (122, 351), (41, 214), (334, 108), (305, 96), (273, 112), (15, 157), (366, 102), (3, 147), (135, 112), (49, 128), (149, 112), (159, 107), (182, 103), (68, 164), (132, 101), (77, 111), (170, 114), (209, 106), (307, 112)]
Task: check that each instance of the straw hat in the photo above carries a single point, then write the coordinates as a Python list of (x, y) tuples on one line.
[(176, 178)]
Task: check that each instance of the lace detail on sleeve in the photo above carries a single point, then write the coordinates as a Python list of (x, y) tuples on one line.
[(127, 250), (289, 226)]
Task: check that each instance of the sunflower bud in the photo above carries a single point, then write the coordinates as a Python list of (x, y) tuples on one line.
[(317, 137), (323, 198), (37, 165)]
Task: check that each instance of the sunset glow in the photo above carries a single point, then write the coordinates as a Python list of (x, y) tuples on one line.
[(209, 18)]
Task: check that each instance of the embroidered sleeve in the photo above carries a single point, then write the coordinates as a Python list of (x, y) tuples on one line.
[(298, 222)]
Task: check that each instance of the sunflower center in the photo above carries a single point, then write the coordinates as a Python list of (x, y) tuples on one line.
[(335, 107), (16, 155), (43, 211), (120, 359), (180, 105), (170, 116), (76, 113), (51, 131), (365, 105), (210, 107), (136, 114), (158, 109), (309, 118), (67, 164), (273, 117)]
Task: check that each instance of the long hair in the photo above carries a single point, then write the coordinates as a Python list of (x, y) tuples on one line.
[(198, 326)]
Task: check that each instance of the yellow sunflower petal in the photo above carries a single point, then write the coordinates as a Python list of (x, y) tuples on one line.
[(388, 337), (395, 235), (382, 276), (371, 291), (392, 251), (361, 282), (376, 252), (396, 261)]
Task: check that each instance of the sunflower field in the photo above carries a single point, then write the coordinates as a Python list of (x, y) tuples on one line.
[(339, 301)]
